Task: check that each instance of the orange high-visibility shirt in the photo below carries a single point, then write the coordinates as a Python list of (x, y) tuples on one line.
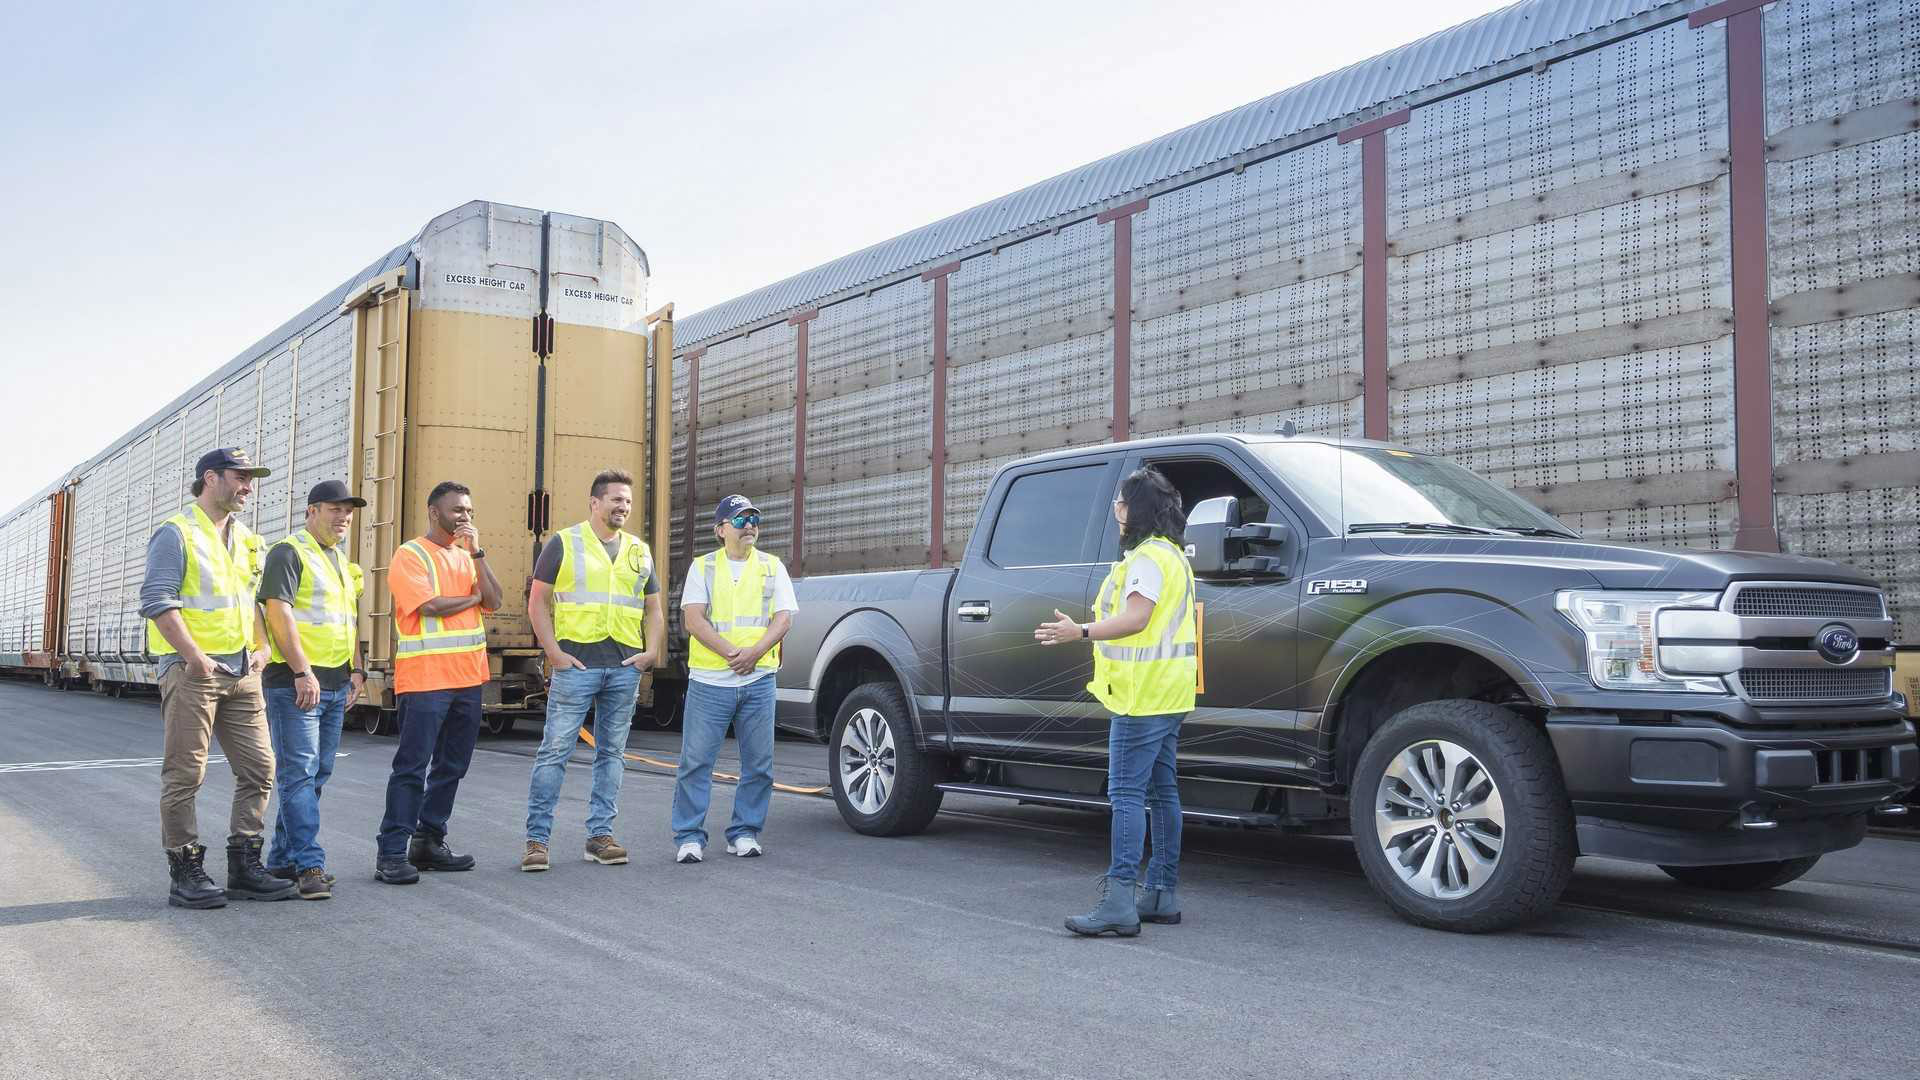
[(413, 584)]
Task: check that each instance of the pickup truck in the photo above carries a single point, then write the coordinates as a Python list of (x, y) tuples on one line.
[(1394, 648)]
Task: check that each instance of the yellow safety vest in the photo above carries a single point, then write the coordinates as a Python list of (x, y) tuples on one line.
[(325, 607), (216, 593), (740, 611), (1153, 672), (434, 638), (594, 597)]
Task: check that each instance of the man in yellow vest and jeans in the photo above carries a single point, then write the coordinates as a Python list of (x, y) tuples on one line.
[(737, 604), (311, 594), (595, 609), (202, 565)]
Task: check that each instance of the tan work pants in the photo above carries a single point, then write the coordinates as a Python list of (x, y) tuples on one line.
[(193, 712)]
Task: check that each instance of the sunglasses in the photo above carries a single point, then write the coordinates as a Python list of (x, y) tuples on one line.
[(745, 521)]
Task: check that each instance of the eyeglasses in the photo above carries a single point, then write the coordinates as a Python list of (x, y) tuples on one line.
[(744, 521)]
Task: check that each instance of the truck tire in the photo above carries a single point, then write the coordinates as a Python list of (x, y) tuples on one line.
[(1742, 877), (1460, 817), (882, 783)]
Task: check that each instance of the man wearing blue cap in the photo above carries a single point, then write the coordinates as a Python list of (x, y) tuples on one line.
[(737, 605)]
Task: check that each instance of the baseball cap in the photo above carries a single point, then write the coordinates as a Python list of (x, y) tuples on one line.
[(731, 505), (232, 457), (333, 491)]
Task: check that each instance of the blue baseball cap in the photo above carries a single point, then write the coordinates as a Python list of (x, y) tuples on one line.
[(731, 505)]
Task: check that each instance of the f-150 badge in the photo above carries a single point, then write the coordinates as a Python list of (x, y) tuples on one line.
[(1337, 585)]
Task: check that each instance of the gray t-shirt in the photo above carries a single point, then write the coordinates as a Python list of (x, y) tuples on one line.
[(605, 653), (160, 593), (280, 580)]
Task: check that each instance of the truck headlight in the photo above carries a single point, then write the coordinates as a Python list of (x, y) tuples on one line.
[(1622, 653)]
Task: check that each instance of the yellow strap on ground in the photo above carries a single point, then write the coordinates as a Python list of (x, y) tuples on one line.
[(587, 737)]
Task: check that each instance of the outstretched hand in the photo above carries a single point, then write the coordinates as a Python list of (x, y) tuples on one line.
[(1058, 632)]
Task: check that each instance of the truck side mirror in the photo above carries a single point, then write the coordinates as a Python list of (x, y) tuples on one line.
[(1218, 545)]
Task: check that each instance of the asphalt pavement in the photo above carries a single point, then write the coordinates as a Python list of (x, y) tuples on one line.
[(940, 955)]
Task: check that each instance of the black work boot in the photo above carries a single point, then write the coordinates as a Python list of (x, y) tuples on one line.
[(394, 870), (246, 878), (192, 888), (432, 853)]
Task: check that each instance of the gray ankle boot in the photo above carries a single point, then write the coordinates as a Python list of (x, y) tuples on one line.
[(1158, 905), (1115, 914)]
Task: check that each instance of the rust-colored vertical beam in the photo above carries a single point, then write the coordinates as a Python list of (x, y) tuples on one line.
[(937, 520), (693, 451), (1373, 267), (1752, 345), (798, 555), (53, 612), (1122, 219)]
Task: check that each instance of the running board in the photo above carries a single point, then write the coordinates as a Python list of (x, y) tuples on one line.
[(1246, 818)]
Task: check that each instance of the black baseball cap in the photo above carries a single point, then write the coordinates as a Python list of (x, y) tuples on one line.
[(232, 457), (731, 505), (333, 491)]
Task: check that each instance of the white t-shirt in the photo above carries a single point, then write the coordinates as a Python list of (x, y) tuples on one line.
[(696, 593), (1143, 577)]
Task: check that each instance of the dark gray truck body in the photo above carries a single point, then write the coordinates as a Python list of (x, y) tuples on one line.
[(1301, 667)]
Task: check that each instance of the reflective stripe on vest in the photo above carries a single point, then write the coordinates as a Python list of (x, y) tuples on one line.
[(325, 605), (216, 584), (727, 609), (433, 638), (596, 598), (1153, 672)]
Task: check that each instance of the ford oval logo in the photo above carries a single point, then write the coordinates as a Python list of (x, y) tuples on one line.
[(1837, 644)]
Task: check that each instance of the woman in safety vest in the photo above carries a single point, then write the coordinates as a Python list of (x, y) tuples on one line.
[(1144, 670)]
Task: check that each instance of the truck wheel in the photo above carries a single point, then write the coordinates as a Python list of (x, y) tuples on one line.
[(882, 783), (373, 720), (498, 724), (1460, 817), (1742, 877)]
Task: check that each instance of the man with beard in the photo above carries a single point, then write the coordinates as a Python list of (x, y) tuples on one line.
[(202, 567), (440, 585), (595, 609)]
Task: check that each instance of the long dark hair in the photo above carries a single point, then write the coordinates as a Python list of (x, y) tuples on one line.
[(1153, 509)]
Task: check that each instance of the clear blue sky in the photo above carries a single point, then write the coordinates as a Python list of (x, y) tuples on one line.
[(180, 179)]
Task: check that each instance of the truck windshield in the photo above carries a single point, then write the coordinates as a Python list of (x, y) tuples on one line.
[(1397, 490)]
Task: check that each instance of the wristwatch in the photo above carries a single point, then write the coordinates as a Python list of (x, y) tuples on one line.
[(481, 554), (302, 674), (1086, 630)]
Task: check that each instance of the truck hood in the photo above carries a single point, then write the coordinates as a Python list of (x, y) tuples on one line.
[(1625, 566)]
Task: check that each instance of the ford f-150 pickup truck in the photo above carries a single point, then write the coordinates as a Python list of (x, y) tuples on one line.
[(1393, 647)]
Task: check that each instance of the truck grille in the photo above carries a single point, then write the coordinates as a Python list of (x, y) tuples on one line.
[(1779, 603), (1866, 766), (1813, 684)]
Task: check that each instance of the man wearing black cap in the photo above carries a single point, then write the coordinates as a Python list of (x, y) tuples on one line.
[(202, 567), (737, 605), (311, 594)]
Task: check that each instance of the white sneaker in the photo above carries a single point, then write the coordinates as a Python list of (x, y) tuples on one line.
[(690, 852), (746, 847)]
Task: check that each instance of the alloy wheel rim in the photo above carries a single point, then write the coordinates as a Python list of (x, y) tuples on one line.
[(867, 761), (1440, 820)]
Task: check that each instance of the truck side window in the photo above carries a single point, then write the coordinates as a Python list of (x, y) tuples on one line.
[(1047, 516), (1203, 478)]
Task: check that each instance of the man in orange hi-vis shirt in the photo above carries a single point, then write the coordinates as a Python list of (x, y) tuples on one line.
[(440, 586)]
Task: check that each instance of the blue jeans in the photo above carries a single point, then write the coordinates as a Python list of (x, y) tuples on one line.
[(703, 727), (1140, 761), (304, 742), (610, 692), (437, 731)]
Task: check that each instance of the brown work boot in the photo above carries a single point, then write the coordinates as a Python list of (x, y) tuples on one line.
[(536, 857), (603, 850), (313, 884)]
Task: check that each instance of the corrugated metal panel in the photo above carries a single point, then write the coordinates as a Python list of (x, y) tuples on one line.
[(1430, 65), (1847, 388), (1559, 285), (23, 579), (1247, 300)]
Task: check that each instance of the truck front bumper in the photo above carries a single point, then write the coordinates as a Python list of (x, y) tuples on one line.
[(1695, 792)]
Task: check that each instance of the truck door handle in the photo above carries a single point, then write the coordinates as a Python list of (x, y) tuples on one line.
[(975, 610)]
